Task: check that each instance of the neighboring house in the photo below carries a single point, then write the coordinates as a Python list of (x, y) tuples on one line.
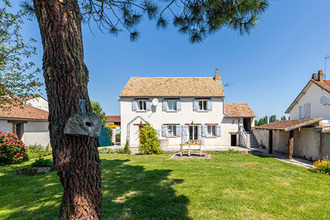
[(308, 103), (38, 102), (309, 126), (30, 124), (113, 120), (180, 109)]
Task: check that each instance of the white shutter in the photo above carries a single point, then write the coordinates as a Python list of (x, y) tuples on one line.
[(134, 105), (148, 105), (204, 130), (209, 104), (218, 130), (164, 105), (307, 110), (184, 137), (178, 105), (195, 105), (178, 130), (164, 131), (199, 132)]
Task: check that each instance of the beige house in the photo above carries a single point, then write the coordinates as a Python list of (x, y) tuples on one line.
[(309, 127), (180, 109)]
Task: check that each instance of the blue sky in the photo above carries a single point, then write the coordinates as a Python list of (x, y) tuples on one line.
[(267, 68)]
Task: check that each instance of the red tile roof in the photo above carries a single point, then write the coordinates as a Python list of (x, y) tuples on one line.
[(288, 124), (113, 118), (238, 110), (23, 111)]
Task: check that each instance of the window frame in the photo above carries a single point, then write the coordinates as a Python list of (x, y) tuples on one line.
[(173, 131), (204, 105), (144, 104), (213, 129), (172, 101)]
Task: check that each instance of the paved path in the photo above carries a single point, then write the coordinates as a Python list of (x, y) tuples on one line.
[(279, 156)]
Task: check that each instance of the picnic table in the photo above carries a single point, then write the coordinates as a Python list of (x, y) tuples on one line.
[(189, 144)]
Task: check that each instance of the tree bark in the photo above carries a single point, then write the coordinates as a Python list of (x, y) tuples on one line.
[(76, 158)]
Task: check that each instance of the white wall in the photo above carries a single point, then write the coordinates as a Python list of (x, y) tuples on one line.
[(156, 117), (33, 132), (39, 103), (312, 95)]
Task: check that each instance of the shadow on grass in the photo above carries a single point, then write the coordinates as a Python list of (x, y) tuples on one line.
[(131, 192)]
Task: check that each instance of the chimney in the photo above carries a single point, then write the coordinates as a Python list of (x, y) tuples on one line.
[(314, 76), (320, 76), (216, 75)]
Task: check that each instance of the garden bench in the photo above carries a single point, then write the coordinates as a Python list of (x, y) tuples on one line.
[(191, 143)]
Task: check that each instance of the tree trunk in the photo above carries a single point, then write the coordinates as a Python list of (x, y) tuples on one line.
[(76, 158)]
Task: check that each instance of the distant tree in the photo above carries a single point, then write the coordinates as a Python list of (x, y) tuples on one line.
[(263, 121), (272, 118), (97, 109), (256, 123), (18, 79), (283, 118)]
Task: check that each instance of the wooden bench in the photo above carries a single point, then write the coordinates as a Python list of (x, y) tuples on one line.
[(191, 143)]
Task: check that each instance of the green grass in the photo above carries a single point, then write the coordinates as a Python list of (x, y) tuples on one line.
[(229, 186)]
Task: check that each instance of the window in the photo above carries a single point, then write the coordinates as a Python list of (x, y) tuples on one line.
[(142, 105), (172, 105), (202, 105), (193, 133), (18, 130), (171, 130), (211, 130)]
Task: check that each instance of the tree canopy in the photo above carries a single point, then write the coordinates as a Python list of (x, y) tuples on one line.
[(97, 109), (18, 78), (197, 18)]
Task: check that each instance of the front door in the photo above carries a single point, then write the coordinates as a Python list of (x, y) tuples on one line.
[(193, 132), (233, 140)]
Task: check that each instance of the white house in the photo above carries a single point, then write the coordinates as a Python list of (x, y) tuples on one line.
[(30, 124), (313, 101), (309, 127), (181, 108)]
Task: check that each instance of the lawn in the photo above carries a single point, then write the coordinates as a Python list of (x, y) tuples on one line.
[(156, 187)]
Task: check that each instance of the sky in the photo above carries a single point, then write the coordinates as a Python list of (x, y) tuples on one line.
[(266, 69)]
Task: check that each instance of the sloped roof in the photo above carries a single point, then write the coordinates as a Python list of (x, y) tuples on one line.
[(325, 84), (173, 87), (288, 125), (115, 118), (25, 112), (238, 110)]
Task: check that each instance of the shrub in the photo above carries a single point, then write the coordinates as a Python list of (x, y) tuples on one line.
[(149, 140), (106, 151), (37, 150), (322, 166), (41, 162), (126, 148), (12, 150)]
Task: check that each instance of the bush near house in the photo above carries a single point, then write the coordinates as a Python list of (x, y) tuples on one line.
[(322, 166), (37, 150), (12, 150), (149, 141)]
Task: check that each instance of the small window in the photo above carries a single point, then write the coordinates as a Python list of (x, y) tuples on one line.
[(17, 130), (301, 112), (172, 105), (211, 130), (171, 130), (142, 105), (202, 105)]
